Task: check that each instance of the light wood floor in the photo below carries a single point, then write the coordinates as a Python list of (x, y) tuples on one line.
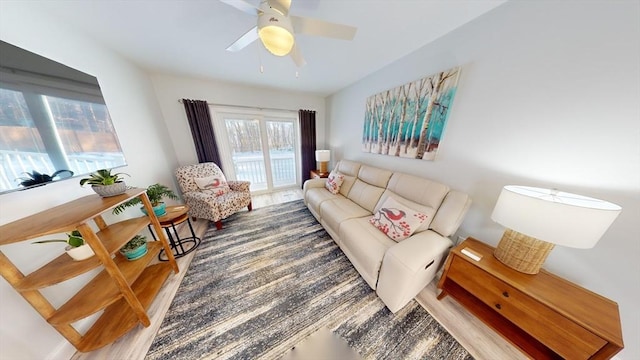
[(476, 337)]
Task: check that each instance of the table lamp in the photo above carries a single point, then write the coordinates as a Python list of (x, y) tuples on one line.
[(537, 219), (323, 157)]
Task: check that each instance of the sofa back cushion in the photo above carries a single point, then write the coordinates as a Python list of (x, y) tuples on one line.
[(420, 194), (350, 171), (369, 186), (374, 176), (451, 213)]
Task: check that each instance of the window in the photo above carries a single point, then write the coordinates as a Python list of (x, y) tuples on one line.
[(47, 133), (52, 118), (259, 146)]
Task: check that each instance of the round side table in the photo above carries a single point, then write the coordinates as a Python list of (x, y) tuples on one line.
[(176, 215)]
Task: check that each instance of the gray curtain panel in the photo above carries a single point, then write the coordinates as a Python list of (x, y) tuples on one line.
[(307, 141), (202, 131)]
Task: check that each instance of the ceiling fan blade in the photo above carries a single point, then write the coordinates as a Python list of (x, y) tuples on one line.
[(280, 5), (296, 55), (242, 6), (244, 40), (309, 26)]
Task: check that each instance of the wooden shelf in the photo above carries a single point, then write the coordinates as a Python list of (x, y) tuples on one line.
[(106, 330), (102, 290), (63, 267), (124, 289), (62, 218)]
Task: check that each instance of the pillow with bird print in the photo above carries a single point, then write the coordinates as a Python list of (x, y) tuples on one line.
[(215, 185), (397, 221)]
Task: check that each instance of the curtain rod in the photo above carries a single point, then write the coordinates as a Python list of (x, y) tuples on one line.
[(248, 107)]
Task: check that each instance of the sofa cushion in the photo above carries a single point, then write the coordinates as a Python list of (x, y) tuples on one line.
[(334, 181), (335, 211), (350, 171), (365, 195), (395, 220), (374, 176), (316, 196), (418, 193), (365, 247), (451, 213)]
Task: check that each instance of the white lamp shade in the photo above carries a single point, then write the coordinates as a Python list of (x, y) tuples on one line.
[(552, 216), (323, 155), (275, 32)]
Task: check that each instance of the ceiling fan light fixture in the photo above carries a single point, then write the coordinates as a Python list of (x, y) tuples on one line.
[(276, 39), (276, 33)]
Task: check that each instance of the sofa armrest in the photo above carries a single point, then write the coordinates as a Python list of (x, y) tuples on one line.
[(314, 183), (239, 185), (310, 184), (409, 266)]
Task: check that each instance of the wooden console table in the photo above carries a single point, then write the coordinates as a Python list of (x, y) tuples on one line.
[(316, 174), (546, 316)]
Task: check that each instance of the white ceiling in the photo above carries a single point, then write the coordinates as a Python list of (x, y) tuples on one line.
[(189, 37)]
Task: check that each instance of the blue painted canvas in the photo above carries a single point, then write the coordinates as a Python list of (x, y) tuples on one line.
[(408, 121)]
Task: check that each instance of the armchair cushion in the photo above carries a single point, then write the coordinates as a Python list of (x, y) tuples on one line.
[(215, 184)]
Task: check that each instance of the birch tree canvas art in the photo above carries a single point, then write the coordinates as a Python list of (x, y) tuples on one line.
[(408, 121)]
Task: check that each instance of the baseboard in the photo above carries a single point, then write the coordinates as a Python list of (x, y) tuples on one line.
[(64, 351)]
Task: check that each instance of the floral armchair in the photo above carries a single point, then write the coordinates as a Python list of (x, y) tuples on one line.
[(209, 195)]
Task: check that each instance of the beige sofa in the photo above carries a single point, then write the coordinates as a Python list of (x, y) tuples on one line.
[(397, 271)]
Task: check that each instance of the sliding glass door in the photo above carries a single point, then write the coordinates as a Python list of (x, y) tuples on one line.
[(261, 148)]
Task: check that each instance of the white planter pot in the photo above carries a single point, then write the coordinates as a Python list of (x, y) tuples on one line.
[(110, 190), (80, 253)]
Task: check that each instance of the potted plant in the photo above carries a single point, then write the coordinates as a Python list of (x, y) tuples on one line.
[(35, 178), (104, 183), (135, 248), (76, 246), (155, 193)]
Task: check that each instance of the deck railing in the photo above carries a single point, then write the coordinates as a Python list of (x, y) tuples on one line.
[(251, 168)]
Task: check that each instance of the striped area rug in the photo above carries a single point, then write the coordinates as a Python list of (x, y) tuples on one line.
[(272, 277)]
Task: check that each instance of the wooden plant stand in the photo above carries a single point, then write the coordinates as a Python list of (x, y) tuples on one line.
[(124, 289)]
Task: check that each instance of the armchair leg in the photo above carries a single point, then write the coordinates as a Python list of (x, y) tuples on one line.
[(219, 224), (250, 206)]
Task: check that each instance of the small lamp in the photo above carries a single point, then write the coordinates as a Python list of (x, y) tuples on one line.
[(536, 219), (275, 32), (323, 157)]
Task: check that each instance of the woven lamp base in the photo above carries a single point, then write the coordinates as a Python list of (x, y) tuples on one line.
[(522, 252)]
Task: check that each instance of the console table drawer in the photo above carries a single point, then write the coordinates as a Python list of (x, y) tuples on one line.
[(563, 336)]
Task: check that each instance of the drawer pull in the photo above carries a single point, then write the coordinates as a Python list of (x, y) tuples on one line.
[(429, 264), (498, 306), (505, 294)]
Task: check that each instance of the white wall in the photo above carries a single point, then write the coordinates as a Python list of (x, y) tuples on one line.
[(548, 96), (131, 100), (171, 88)]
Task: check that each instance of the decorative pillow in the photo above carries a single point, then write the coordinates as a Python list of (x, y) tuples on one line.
[(334, 181), (215, 185), (397, 221)]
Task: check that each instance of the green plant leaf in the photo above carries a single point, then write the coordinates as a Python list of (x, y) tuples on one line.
[(155, 193), (102, 177), (75, 241), (48, 241)]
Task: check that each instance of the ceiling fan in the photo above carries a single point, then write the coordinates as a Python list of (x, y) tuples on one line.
[(276, 28)]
